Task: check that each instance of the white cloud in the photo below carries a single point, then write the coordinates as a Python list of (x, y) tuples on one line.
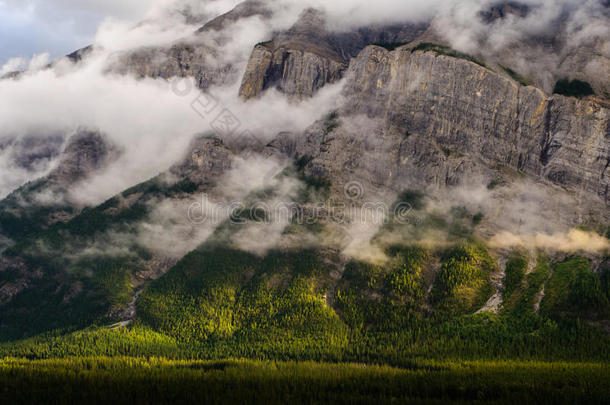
[(39, 61), (570, 242), (13, 65), (154, 126)]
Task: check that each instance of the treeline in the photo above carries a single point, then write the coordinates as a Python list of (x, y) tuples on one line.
[(153, 380)]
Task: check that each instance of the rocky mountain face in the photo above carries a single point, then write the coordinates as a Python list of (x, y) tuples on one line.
[(46, 201), (198, 57), (303, 59), (441, 117), (207, 160), (293, 71), (438, 131), (181, 60), (417, 116), (297, 62), (275, 60), (86, 153)]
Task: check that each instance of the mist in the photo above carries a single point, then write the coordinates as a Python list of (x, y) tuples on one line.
[(153, 124), (573, 241)]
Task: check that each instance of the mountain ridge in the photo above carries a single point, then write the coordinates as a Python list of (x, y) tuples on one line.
[(464, 146)]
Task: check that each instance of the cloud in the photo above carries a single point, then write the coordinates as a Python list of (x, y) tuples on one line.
[(145, 118), (256, 174), (39, 61), (60, 27), (168, 231), (154, 125), (349, 14), (20, 64), (82, 15), (13, 65), (30, 157), (176, 226), (118, 35), (570, 242)]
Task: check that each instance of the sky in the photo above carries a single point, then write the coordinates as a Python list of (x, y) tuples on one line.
[(57, 27)]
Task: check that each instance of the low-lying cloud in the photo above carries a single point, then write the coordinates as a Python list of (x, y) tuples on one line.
[(153, 124), (571, 242)]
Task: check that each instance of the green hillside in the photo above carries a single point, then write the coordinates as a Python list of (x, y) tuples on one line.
[(307, 305), (71, 285), (417, 311)]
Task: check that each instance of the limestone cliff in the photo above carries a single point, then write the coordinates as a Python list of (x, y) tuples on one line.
[(294, 70), (417, 118), (308, 56), (297, 62)]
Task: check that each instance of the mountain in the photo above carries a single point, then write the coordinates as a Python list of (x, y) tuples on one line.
[(442, 205), (46, 201)]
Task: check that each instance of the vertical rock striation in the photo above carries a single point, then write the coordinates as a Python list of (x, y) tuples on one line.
[(436, 119)]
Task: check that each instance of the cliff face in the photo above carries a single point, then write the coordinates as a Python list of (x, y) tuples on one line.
[(196, 60), (86, 153), (435, 119), (541, 59), (297, 62), (294, 70), (207, 159), (304, 58), (576, 145)]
